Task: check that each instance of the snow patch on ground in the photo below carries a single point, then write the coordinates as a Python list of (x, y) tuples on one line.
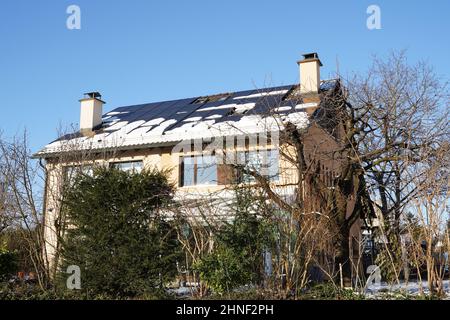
[(410, 288)]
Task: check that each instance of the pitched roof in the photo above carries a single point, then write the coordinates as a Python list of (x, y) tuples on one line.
[(169, 122)]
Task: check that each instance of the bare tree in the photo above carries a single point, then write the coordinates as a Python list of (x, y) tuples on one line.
[(398, 119), (400, 110), (197, 220), (378, 125), (31, 195), (428, 234), (22, 179)]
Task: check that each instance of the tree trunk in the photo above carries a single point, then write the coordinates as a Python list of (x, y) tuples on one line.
[(343, 259)]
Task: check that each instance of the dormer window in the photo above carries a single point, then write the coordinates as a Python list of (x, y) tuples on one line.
[(213, 98)]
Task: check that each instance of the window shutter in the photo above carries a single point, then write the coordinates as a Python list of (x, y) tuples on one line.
[(225, 174), (181, 173)]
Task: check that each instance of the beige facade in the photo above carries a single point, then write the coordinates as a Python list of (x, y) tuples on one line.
[(317, 142)]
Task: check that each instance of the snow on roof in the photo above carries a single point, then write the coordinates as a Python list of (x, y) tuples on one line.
[(169, 122)]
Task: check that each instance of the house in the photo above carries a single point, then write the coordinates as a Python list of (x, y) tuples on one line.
[(188, 135)]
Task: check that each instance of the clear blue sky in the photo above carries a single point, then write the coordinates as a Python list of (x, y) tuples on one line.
[(141, 51)]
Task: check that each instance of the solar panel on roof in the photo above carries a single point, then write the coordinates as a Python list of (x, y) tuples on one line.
[(180, 119)]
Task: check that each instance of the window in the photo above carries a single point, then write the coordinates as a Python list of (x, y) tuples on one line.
[(188, 171), (71, 172), (206, 170), (133, 166), (198, 170), (214, 98), (265, 162)]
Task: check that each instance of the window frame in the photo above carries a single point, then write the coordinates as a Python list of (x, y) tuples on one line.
[(245, 178), (195, 180), (72, 171), (115, 164)]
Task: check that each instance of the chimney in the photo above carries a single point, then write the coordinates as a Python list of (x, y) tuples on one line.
[(91, 112), (309, 73)]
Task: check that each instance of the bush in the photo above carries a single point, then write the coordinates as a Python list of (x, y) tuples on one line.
[(389, 259), (237, 259), (118, 237), (223, 270), (329, 291), (8, 263), (30, 291), (17, 240)]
